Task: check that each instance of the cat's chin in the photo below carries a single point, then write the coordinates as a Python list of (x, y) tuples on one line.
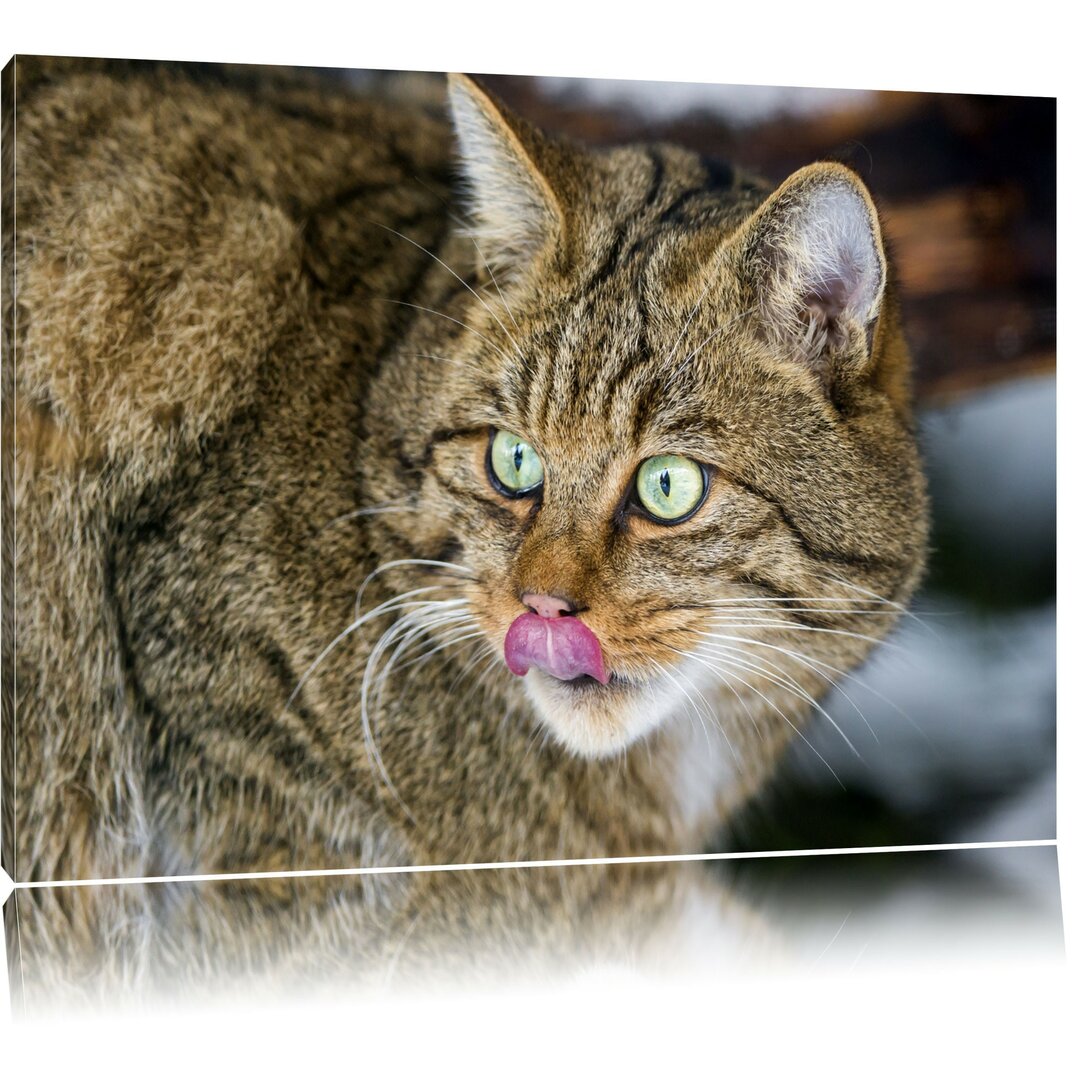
[(593, 720)]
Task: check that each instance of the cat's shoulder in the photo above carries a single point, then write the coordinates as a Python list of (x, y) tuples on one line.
[(190, 237)]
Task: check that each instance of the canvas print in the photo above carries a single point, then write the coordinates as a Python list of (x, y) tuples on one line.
[(410, 469)]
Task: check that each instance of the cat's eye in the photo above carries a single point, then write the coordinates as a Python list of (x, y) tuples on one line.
[(513, 465), (670, 488)]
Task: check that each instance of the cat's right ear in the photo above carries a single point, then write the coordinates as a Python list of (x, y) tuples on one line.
[(516, 217)]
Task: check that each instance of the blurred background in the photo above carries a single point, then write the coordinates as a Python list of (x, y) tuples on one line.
[(955, 727)]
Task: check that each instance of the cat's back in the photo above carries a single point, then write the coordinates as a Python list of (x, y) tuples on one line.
[(178, 222), (203, 260)]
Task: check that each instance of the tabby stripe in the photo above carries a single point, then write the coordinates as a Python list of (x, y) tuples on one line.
[(644, 413), (501, 514), (640, 356), (675, 209), (547, 393), (445, 435), (719, 172), (609, 265), (871, 563), (657, 177)]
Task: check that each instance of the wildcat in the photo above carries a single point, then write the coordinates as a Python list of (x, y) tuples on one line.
[(396, 491)]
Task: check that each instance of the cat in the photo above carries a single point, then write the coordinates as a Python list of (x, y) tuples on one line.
[(392, 490)]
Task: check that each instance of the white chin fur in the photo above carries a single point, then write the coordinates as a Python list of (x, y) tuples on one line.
[(597, 725)]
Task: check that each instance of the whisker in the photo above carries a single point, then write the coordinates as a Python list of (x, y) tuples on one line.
[(783, 610), (455, 361), (809, 662), (388, 605), (682, 690), (409, 562), (453, 623), (423, 615), (416, 663), (495, 282), (475, 657), (849, 676), (883, 600), (449, 318), (786, 600), (738, 624), (717, 331), (784, 681), (412, 636), (387, 639), (690, 318), (742, 702), (735, 755), (465, 229), (451, 270), (768, 701), (368, 511)]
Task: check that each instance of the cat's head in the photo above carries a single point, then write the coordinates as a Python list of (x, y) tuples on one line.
[(668, 424)]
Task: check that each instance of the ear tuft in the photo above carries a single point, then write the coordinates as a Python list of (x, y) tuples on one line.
[(817, 262), (514, 212)]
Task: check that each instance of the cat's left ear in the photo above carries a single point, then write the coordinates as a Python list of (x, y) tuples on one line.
[(516, 216), (814, 257)]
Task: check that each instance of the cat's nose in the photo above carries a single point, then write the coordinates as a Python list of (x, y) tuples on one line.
[(549, 607)]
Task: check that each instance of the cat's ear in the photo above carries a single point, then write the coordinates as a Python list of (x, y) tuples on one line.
[(515, 214), (814, 257)]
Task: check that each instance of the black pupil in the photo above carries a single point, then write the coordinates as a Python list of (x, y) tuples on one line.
[(665, 483), (519, 453)]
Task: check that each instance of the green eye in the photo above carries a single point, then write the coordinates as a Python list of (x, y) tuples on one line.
[(515, 465), (670, 488)]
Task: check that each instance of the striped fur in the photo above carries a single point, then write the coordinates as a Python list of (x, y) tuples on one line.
[(260, 354)]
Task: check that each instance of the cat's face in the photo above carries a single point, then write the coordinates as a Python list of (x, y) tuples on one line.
[(669, 437)]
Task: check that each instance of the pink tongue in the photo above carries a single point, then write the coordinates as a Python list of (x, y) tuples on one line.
[(565, 648)]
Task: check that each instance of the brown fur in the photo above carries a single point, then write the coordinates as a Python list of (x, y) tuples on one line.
[(119, 945), (223, 354)]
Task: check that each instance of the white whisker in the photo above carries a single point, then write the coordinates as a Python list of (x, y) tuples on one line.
[(468, 364), (736, 600), (881, 599), (783, 610), (813, 665), (495, 282), (451, 270), (387, 606), (442, 315), (414, 631), (369, 511), (690, 318), (407, 562), (474, 658), (682, 690), (783, 680), (715, 333), (768, 701), (399, 628), (740, 624)]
